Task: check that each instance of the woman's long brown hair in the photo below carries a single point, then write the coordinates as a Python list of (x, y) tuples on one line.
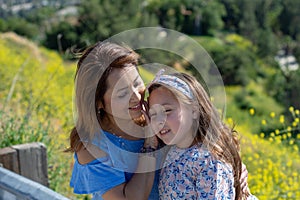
[(93, 69)]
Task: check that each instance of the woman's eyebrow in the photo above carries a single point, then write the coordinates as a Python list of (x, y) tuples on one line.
[(136, 78), (122, 89)]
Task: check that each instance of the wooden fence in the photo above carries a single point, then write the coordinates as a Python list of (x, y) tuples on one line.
[(29, 160), (25, 176)]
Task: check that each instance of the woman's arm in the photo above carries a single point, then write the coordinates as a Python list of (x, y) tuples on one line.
[(139, 186)]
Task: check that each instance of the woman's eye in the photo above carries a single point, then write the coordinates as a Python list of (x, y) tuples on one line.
[(138, 84), (123, 94)]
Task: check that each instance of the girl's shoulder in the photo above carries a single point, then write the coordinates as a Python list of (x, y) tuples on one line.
[(199, 153), (188, 157), (201, 159)]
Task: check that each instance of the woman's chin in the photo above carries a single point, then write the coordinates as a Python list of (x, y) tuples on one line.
[(140, 120)]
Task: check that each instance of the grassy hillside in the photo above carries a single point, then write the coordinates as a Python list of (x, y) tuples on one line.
[(36, 103), (273, 163), (36, 88)]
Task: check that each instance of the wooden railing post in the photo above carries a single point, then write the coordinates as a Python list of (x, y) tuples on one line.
[(28, 160)]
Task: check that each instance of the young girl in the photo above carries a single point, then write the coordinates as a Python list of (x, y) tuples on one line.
[(203, 161)]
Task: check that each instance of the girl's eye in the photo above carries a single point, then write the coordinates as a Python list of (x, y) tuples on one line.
[(152, 115), (168, 111)]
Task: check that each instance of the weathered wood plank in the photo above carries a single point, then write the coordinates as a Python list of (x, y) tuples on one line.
[(32, 158), (9, 159)]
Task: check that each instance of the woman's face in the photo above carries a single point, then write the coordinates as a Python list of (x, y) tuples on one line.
[(123, 95), (171, 121)]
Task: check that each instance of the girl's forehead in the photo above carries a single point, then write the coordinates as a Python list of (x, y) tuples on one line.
[(162, 94)]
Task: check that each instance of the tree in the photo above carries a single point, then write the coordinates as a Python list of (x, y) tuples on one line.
[(232, 17), (212, 17), (290, 19), (100, 19), (188, 16), (23, 27), (266, 43), (3, 25), (61, 37)]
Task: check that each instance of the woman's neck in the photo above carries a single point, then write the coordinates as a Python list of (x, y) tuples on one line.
[(123, 128)]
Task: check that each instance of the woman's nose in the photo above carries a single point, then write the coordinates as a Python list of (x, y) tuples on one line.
[(136, 94)]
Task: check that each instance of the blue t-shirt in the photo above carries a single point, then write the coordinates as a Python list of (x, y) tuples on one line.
[(107, 172)]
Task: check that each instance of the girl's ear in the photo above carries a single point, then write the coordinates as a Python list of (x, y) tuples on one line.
[(195, 112)]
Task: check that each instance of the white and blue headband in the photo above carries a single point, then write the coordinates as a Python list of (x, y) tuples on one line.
[(173, 82)]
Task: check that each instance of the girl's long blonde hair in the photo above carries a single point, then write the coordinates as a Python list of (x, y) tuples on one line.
[(220, 140)]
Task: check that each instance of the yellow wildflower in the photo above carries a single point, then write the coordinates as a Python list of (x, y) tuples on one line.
[(295, 174), (281, 119), (284, 136), (263, 122), (230, 121), (291, 109), (252, 111), (289, 163), (272, 114)]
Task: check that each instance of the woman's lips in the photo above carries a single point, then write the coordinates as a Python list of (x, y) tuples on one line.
[(136, 107)]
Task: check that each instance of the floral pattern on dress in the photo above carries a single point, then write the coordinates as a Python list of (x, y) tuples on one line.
[(193, 173)]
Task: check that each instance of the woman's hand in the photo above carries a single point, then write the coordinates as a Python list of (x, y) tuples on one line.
[(151, 139)]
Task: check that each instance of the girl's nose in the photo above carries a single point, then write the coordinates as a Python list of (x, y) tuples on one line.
[(158, 122), (157, 125)]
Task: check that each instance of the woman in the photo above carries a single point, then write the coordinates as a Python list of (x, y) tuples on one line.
[(108, 93)]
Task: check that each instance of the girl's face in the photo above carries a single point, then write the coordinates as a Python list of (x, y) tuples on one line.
[(171, 120), (123, 95)]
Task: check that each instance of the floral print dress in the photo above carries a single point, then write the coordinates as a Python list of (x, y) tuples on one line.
[(193, 173)]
